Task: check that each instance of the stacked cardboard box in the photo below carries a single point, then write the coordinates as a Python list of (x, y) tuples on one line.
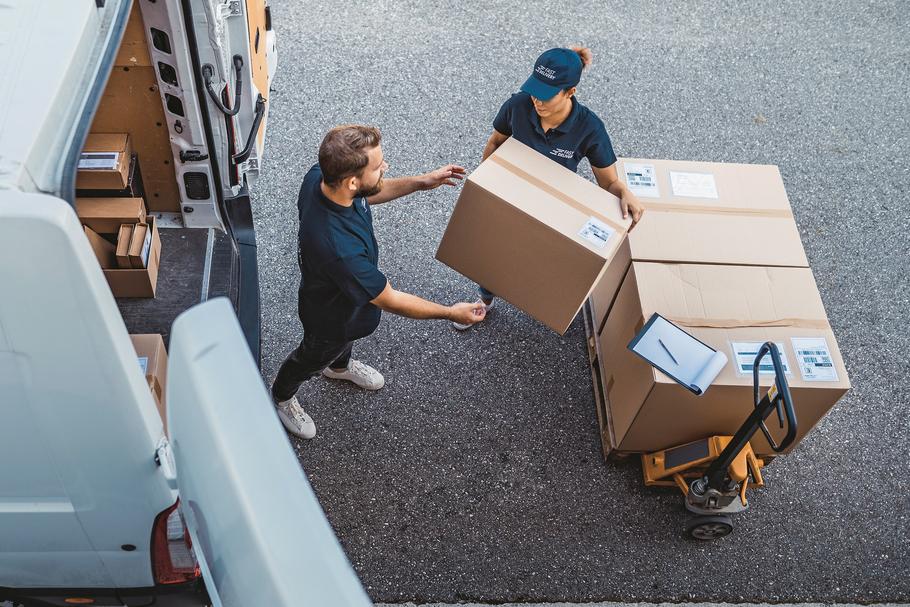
[(152, 358), (719, 254), (125, 240)]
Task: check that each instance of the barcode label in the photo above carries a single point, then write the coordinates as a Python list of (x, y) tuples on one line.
[(642, 179), (596, 232), (814, 359), (98, 161), (744, 353)]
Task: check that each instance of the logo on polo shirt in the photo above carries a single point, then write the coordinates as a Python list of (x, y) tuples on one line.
[(545, 72), (561, 153)]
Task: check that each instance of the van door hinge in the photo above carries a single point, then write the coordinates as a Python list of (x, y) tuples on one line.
[(231, 8), (164, 457)]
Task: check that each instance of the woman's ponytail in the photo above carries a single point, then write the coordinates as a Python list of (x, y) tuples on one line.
[(585, 54)]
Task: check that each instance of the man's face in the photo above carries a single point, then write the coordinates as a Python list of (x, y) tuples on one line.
[(370, 180)]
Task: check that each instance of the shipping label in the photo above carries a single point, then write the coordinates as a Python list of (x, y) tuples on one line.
[(144, 364), (642, 179), (596, 232), (693, 185), (98, 161), (744, 353), (814, 358), (146, 247)]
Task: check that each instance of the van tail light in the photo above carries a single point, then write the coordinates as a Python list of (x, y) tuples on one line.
[(173, 561)]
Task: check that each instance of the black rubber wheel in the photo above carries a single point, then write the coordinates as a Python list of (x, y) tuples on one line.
[(707, 528)]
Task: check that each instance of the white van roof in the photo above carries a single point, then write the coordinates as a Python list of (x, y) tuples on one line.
[(50, 56)]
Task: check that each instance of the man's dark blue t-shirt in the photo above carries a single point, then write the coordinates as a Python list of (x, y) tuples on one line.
[(338, 255), (581, 135)]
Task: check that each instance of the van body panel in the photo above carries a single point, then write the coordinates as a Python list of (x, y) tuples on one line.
[(257, 527), (74, 398), (52, 60)]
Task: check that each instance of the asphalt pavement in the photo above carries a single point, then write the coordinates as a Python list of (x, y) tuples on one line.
[(475, 475)]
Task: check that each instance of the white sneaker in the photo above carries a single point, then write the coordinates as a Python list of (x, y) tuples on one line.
[(487, 307), (295, 419), (363, 375)]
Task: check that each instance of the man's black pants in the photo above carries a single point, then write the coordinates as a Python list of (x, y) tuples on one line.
[(308, 360)]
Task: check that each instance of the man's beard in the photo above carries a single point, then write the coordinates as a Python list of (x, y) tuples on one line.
[(372, 191)]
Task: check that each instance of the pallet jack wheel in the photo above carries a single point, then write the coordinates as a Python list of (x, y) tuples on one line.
[(707, 528)]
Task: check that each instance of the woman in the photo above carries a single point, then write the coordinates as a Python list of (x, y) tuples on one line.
[(546, 116)]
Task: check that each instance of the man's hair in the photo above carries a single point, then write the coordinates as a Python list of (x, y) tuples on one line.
[(343, 152)]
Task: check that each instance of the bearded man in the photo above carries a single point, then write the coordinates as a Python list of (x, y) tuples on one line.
[(342, 292)]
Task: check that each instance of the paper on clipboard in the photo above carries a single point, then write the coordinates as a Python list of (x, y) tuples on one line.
[(677, 354)]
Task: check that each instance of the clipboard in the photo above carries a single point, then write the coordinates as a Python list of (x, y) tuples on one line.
[(677, 354)]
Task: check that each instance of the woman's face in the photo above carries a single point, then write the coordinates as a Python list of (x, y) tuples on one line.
[(555, 105)]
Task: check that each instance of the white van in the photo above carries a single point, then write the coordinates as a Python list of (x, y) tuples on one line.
[(98, 504)]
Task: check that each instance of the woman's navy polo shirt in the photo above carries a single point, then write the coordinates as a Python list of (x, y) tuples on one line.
[(338, 254), (581, 135)]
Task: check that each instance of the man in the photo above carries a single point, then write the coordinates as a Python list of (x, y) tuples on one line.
[(342, 291), (546, 116)]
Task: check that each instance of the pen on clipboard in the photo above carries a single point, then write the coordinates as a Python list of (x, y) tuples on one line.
[(667, 350)]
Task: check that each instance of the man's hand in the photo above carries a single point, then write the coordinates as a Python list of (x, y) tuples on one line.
[(630, 204), (467, 313), (446, 175)]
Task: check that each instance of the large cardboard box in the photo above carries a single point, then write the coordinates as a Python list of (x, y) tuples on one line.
[(152, 357), (104, 163), (704, 212), (105, 215), (732, 309), (533, 233), (139, 282)]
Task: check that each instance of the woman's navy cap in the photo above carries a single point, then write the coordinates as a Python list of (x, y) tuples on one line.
[(555, 70)]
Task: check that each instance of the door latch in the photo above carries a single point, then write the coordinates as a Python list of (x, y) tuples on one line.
[(192, 156)]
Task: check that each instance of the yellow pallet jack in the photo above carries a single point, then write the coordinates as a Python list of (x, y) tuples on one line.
[(714, 473)]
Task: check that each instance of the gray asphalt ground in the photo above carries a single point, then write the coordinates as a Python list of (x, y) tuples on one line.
[(475, 474)]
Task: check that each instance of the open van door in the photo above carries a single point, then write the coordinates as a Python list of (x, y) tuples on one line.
[(257, 529)]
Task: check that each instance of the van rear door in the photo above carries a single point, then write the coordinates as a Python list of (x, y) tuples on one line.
[(79, 487), (258, 531)]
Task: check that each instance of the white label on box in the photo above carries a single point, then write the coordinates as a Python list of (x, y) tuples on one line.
[(146, 247), (144, 364), (596, 232), (814, 358), (744, 353), (98, 161), (693, 185), (642, 179)]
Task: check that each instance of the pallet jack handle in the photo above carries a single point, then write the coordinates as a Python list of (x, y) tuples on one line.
[(781, 398), (776, 398)]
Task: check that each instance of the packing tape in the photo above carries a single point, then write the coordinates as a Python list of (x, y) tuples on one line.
[(539, 183), (738, 323), (660, 207)]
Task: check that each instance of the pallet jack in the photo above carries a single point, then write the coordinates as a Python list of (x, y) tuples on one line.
[(714, 473)]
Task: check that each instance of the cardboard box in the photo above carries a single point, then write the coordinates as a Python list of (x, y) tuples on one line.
[(138, 282), (140, 246), (749, 222), (105, 215), (104, 251), (721, 306), (122, 252), (135, 188), (534, 233), (152, 357), (104, 163)]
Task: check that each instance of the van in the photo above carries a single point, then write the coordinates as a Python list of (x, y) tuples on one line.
[(100, 503)]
